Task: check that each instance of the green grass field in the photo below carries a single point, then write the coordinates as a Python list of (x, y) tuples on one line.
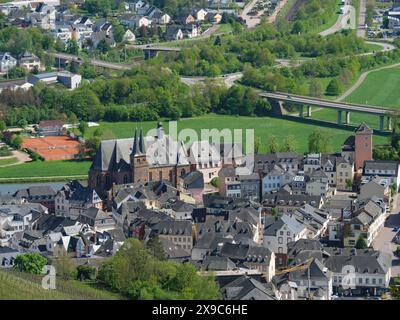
[(380, 88), (46, 169), (17, 286), (8, 161), (264, 127), (355, 118)]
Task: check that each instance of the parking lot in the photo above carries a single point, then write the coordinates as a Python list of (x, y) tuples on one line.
[(384, 241)]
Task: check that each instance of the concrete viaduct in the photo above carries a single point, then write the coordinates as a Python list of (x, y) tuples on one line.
[(278, 99)]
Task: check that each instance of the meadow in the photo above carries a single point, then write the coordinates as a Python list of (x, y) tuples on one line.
[(46, 169), (380, 88), (264, 128)]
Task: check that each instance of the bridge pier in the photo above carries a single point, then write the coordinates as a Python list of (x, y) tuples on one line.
[(347, 120), (339, 117), (309, 111), (381, 122), (150, 54), (301, 111), (389, 123)]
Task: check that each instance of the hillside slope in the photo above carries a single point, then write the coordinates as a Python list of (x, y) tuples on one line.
[(19, 286)]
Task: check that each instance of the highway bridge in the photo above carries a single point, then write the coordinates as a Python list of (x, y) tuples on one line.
[(151, 51), (277, 100), (94, 62)]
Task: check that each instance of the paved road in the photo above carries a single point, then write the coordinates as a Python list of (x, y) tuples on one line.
[(94, 62), (341, 22), (279, 7), (383, 241), (251, 21)]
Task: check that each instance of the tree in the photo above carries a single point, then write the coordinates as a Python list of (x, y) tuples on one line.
[(315, 88), (16, 141), (2, 126), (318, 141), (349, 183), (65, 267), (289, 144), (118, 32), (215, 182), (334, 87), (257, 145), (274, 212), (72, 47), (361, 243), (393, 189), (30, 263), (85, 272), (272, 145), (83, 126), (155, 248)]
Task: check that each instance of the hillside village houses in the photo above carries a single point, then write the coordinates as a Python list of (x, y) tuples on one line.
[(255, 227)]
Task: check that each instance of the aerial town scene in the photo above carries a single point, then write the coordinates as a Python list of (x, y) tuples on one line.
[(199, 150)]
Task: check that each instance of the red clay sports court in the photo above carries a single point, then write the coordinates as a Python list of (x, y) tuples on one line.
[(53, 147)]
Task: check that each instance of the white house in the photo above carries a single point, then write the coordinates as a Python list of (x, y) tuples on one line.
[(282, 231), (7, 62)]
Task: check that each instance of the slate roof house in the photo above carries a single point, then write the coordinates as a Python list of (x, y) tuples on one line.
[(74, 199), (44, 195), (366, 269), (179, 232), (252, 257), (247, 288)]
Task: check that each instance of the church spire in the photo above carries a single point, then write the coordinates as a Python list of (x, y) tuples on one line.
[(141, 142), (135, 149)]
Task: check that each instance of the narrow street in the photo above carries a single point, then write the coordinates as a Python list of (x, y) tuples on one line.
[(384, 240)]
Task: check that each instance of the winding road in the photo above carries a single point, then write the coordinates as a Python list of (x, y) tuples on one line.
[(342, 21)]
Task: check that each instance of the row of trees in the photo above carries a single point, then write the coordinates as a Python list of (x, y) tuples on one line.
[(259, 48), (142, 94), (136, 273)]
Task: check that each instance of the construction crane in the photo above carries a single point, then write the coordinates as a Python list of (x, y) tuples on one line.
[(304, 265)]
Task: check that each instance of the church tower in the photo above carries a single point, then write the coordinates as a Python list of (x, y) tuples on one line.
[(139, 164), (362, 146)]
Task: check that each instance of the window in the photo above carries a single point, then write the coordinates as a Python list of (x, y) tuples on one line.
[(159, 175), (366, 280), (281, 233), (280, 240), (280, 250), (150, 176), (125, 179)]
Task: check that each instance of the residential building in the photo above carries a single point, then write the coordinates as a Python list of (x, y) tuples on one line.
[(29, 61), (38, 194), (229, 184), (388, 171), (74, 199), (178, 232), (363, 271), (367, 222), (278, 233), (7, 62)]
